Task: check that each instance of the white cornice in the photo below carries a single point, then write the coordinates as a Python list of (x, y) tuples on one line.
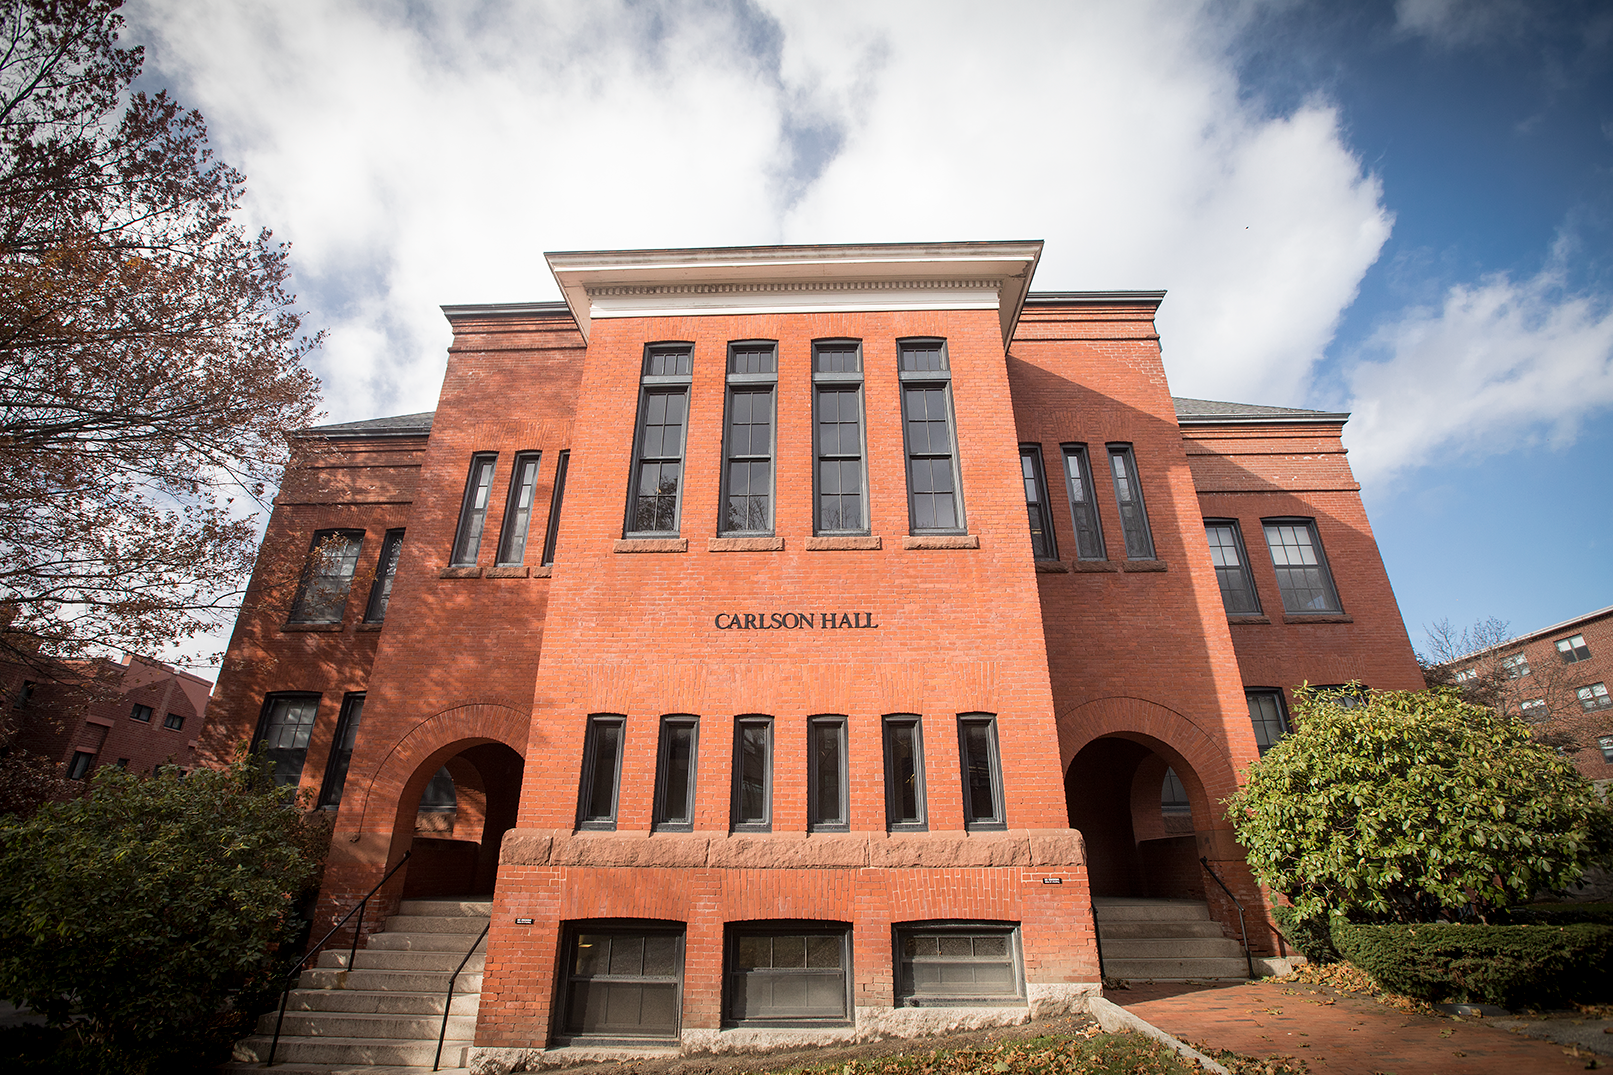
[(797, 279)]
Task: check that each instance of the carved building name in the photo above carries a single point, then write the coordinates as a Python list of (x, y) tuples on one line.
[(795, 621)]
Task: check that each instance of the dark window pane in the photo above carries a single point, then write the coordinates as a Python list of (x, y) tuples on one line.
[(1302, 577), (342, 750), (1266, 714), (604, 749), (751, 776), (827, 764), (386, 570), (980, 777), (1083, 509), (903, 774), (518, 509), (473, 513), (327, 576), (677, 773), (284, 734), (1231, 569), (1129, 496), (553, 531)]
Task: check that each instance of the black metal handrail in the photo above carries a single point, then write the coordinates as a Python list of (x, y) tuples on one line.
[(285, 994), (1247, 955), (448, 1002)]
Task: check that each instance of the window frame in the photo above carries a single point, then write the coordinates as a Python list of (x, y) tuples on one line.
[(1534, 710), (1605, 744), (1329, 587), (1516, 666), (848, 383), (472, 525), (1242, 570), (568, 976), (991, 764), (173, 722), (134, 713), (586, 789), (304, 605), (765, 824), (340, 757), (941, 379), (386, 571), (901, 931), (1588, 694), (1092, 526), (1134, 528), (749, 384), (517, 521), (662, 819), (551, 529), (888, 725), (836, 723), (1577, 649), (1249, 695), (1031, 455), (733, 932), (81, 765), (679, 384), (261, 733)]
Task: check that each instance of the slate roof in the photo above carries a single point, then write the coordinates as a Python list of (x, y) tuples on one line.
[(398, 425), (1211, 409)]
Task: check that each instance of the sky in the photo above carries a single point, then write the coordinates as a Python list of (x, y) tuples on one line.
[(1401, 208)]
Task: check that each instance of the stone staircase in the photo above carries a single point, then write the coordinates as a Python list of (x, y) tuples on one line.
[(382, 1014), (1165, 940)]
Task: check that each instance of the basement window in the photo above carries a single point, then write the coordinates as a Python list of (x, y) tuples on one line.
[(958, 964)]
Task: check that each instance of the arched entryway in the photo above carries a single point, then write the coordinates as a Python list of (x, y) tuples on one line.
[(1133, 806), (464, 806)]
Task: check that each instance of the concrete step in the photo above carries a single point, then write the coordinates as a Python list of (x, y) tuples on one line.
[(469, 925), (357, 1052), (1201, 927), (329, 1024), (1171, 948), (256, 1068), (1175, 969), (458, 908), (423, 942), (391, 981), (374, 959), (1112, 909), (378, 1002)]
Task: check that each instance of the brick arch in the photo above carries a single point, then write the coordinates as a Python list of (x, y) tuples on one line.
[(1202, 763), (443, 734)]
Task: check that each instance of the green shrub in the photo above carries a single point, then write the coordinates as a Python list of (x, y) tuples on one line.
[(1310, 936), (1513, 966)]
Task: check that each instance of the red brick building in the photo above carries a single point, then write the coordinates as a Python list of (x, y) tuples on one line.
[(816, 629)]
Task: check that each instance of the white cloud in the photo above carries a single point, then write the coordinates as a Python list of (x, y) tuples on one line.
[(1499, 363), (1459, 23), (430, 159)]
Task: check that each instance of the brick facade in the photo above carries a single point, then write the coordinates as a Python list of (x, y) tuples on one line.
[(1096, 673)]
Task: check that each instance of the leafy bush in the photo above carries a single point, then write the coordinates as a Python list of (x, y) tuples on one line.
[(1311, 936), (136, 913), (1513, 966), (1414, 806)]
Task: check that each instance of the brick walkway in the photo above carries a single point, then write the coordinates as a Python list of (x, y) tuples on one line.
[(1339, 1033)]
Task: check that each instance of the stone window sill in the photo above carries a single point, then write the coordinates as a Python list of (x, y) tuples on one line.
[(651, 545), (942, 541), (1319, 617), (510, 571), (745, 544), (1052, 567), (1094, 565), (368, 626), (1144, 565), (1237, 620), (470, 571), (305, 627), (542, 572), (843, 543)]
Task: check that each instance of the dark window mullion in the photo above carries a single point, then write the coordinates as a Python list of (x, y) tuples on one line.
[(552, 531), (518, 509), (1037, 513), (473, 510)]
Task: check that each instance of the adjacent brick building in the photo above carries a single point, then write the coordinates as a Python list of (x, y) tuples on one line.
[(809, 633)]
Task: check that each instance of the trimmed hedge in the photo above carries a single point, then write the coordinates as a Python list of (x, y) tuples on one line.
[(1310, 937), (1513, 966)]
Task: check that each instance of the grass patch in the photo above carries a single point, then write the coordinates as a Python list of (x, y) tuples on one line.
[(1096, 1053)]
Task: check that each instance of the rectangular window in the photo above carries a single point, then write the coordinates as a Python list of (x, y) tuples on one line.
[(1534, 710), (173, 722), (518, 509), (1606, 743), (948, 964), (1465, 674), (555, 500), (1594, 697), (1516, 666), (473, 511), (828, 805), (904, 774), (1302, 576), (142, 713), (753, 774), (623, 982), (79, 767), (1231, 567), (748, 467), (386, 569), (601, 772), (1347, 695), (283, 731), (935, 505), (675, 773), (1268, 717), (657, 495), (326, 578), (341, 752), (1083, 506), (837, 407), (982, 772), (1574, 649), (1129, 497), (789, 974), (1038, 513)]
